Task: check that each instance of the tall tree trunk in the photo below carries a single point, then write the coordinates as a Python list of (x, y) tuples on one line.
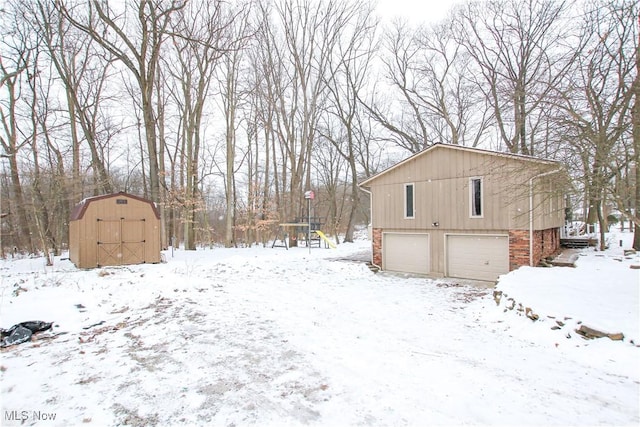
[(636, 227), (162, 168), (266, 194), (76, 184), (230, 166), (19, 203), (61, 192), (151, 139), (189, 200), (355, 198), (11, 148), (602, 225), (40, 206), (635, 118)]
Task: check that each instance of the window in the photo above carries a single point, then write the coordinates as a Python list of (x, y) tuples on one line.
[(409, 201), (475, 186)]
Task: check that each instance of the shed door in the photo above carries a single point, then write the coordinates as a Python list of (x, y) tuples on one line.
[(477, 257), (406, 252), (109, 242), (120, 242), (133, 241)]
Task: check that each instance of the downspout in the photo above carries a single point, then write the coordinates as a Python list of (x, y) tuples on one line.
[(531, 210), (371, 210)]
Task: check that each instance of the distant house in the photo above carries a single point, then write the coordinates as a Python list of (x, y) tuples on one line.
[(114, 229), (464, 212)]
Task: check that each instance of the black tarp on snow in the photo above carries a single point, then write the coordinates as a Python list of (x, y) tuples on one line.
[(22, 332)]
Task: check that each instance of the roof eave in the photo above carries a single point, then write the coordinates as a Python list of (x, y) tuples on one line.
[(367, 181)]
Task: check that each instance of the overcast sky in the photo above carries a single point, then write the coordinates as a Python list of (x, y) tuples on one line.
[(416, 11)]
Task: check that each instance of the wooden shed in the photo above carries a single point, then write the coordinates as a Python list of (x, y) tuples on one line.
[(114, 229)]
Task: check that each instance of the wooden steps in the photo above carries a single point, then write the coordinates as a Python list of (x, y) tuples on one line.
[(578, 242)]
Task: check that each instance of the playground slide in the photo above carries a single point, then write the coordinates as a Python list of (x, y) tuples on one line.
[(325, 238)]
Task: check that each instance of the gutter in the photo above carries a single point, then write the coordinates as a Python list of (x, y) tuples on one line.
[(371, 210), (531, 209)]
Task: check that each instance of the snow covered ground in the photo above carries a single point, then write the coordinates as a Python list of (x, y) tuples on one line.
[(265, 336)]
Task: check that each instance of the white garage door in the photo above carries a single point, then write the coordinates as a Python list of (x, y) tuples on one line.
[(477, 257), (406, 252)]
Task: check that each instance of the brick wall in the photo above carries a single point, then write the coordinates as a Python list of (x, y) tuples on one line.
[(518, 248), (545, 243), (376, 236), (550, 242), (537, 246)]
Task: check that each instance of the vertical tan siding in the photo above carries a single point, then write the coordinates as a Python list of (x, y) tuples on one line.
[(441, 179), (84, 232)]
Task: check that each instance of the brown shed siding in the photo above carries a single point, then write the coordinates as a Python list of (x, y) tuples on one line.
[(114, 229), (74, 241)]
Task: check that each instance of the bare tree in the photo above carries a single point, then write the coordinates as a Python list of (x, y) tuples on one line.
[(596, 98), (522, 50), (410, 128), (84, 74), (138, 48), (301, 35), (265, 81), (332, 173), (345, 80), (17, 55), (42, 215), (231, 98), (267, 71), (635, 120), (199, 41), (430, 70)]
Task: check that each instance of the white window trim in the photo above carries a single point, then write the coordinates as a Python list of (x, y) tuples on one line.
[(471, 179), (413, 204)]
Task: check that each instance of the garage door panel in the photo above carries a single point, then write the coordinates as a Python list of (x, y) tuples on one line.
[(406, 252), (477, 256)]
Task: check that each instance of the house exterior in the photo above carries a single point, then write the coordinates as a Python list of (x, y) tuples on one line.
[(453, 211), (114, 229)]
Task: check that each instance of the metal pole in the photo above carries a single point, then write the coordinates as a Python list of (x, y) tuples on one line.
[(309, 196), (309, 224)]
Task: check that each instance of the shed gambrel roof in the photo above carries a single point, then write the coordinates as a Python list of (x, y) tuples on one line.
[(437, 146), (79, 209)]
